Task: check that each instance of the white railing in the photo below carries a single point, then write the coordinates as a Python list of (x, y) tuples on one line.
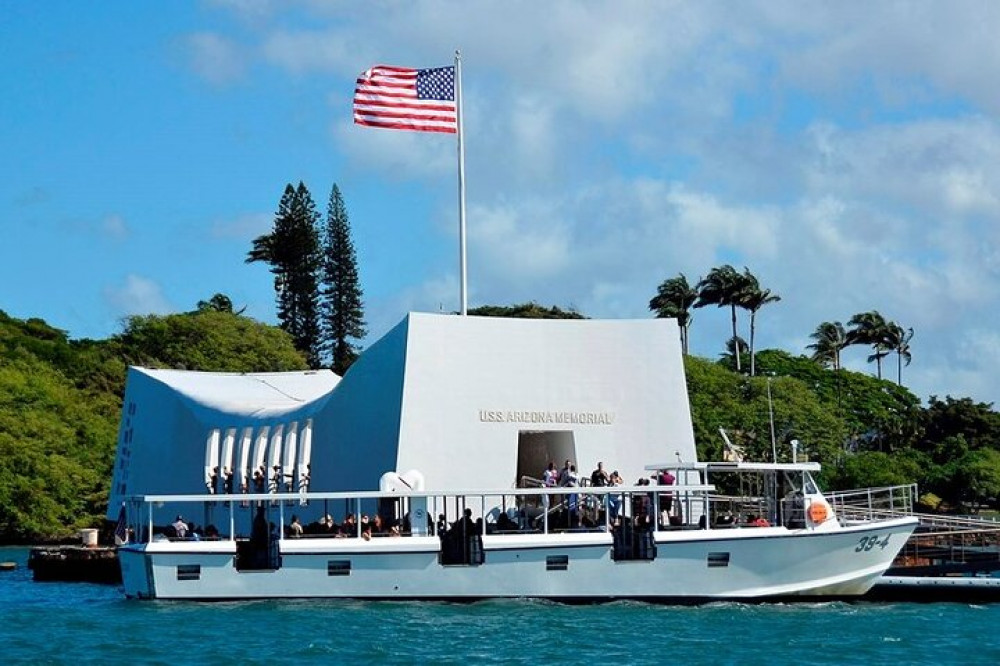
[(870, 504)]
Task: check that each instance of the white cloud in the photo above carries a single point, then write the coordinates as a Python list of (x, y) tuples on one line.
[(115, 227), (137, 295), (243, 227), (396, 154), (215, 58), (304, 51)]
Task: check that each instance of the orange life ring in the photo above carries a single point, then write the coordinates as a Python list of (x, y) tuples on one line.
[(818, 512)]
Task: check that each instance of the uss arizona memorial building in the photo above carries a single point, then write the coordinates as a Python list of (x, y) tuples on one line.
[(468, 402)]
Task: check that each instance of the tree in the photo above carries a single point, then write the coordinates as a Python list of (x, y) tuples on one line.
[(723, 286), (897, 339), (870, 328), (752, 299), (219, 303), (529, 310), (342, 309), (292, 250), (831, 338), (207, 340), (674, 299)]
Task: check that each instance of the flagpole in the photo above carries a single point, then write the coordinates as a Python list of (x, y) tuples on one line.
[(461, 184)]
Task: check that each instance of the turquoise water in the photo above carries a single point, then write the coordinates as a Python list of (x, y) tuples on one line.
[(79, 623)]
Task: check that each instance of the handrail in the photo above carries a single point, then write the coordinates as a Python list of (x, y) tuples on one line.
[(377, 494), (869, 504)]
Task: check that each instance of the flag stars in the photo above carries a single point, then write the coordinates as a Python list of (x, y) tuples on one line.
[(437, 83)]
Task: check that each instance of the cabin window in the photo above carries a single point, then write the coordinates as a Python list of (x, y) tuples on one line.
[(188, 572), (557, 563), (338, 568), (718, 560)]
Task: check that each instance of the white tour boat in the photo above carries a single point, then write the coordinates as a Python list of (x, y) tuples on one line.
[(677, 543)]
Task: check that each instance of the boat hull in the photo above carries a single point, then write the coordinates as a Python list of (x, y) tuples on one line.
[(689, 566)]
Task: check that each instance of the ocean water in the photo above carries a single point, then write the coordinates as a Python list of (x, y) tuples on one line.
[(79, 623)]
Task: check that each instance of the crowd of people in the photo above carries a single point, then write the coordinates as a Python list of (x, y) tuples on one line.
[(261, 481)]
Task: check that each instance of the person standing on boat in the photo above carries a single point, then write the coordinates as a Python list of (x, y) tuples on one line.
[(550, 477), (599, 478), (570, 479), (665, 478), (564, 472), (615, 501)]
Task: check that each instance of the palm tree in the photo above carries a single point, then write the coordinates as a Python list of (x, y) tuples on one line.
[(831, 339), (674, 298), (721, 287), (897, 340), (870, 328), (752, 299)]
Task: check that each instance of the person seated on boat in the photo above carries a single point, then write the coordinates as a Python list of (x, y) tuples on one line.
[(505, 523), (211, 532), (327, 527), (378, 525), (295, 530), (726, 519), (550, 477), (757, 521), (180, 527), (348, 528), (441, 528)]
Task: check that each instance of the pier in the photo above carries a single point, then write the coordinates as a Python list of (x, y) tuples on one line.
[(948, 558), (75, 564)]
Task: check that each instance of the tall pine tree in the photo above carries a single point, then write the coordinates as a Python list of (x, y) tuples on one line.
[(343, 312), (292, 250)]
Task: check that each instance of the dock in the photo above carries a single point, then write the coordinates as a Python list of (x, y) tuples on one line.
[(88, 564), (948, 558)]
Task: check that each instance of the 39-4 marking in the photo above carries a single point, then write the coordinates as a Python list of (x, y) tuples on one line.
[(869, 542)]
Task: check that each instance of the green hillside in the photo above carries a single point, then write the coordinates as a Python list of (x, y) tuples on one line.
[(60, 401)]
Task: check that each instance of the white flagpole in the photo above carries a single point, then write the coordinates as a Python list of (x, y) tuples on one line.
[(461, 184)]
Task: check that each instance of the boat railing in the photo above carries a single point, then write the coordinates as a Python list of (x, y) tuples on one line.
[(871, 504), (414, 513)]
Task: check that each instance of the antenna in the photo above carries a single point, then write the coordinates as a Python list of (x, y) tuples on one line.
[(770, 411)]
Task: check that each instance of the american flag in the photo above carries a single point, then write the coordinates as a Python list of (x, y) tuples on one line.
[(121, 528), (421, 100)]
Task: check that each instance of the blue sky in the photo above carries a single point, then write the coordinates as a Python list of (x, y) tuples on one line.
[(846, 153)]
